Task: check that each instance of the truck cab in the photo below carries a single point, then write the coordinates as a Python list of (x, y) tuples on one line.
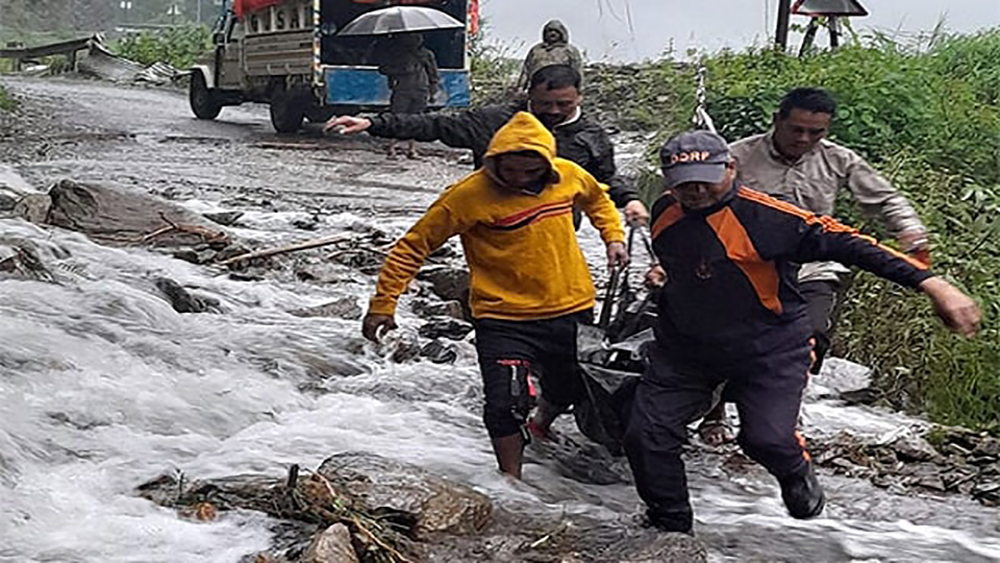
[(287, 54)]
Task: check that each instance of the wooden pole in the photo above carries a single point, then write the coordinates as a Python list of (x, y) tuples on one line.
[(781, 33)]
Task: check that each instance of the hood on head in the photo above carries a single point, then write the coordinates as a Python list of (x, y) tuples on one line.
[(556, 25), (524, 132)]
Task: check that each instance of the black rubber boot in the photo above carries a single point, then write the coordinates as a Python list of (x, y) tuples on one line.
[(802, 493)]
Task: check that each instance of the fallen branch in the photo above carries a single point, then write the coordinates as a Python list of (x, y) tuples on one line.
[(290, 248), (361, 528)]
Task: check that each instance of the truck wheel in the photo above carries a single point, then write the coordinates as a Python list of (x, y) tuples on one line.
[(204, 103), (287, 112)]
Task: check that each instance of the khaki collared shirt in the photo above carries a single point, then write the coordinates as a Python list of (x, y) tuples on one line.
[(813, 182)]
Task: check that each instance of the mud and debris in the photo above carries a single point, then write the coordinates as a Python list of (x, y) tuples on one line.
[(943, 460), (395, 512)]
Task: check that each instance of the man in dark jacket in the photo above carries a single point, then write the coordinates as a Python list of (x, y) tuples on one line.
[(554, 98), (731, 311)]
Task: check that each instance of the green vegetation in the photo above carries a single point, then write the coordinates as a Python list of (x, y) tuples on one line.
[(928, 116), (7, 102), (180, 46)]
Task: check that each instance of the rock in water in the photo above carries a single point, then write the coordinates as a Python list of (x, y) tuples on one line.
[(182, 300), (113, 215), (446, 327), (427, 310), (433, 504), (439, 352), (34, 208), (346, 308), (450, 284), (224, 218), (332, 545)]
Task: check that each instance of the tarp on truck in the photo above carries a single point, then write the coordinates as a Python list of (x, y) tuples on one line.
[(243, 6)]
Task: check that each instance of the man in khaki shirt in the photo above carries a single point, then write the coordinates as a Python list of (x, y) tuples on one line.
[(795, 162)]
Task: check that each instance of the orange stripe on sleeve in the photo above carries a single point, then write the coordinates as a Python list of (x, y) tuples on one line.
[(829, 224), (740, 250), (669, 216)]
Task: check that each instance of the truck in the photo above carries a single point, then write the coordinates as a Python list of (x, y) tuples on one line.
[(287, 54)]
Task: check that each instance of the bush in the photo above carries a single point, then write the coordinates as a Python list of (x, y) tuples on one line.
[(928, 118), (179, 47), (7, 102)]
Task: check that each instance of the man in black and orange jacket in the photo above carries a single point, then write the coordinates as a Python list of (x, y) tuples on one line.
[(731, 311)]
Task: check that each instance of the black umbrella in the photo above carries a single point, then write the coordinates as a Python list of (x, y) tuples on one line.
[(400, 19)]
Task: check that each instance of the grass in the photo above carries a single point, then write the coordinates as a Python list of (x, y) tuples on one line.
[(7, 102)]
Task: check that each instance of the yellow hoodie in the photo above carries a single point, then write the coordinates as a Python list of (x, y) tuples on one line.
[(524, 259)]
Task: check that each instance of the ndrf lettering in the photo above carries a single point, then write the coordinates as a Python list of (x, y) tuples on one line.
[(693, 156)]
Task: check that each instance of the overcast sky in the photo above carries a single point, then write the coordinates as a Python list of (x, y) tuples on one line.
[(637, 29)]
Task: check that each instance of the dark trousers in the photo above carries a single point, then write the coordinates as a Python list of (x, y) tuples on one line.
[(511, 352), (821, 297), (675, 390)]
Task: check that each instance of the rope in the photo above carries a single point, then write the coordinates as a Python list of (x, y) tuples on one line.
[(702, 119)]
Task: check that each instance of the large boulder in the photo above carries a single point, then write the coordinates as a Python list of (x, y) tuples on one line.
[(117, 216), (433, 504)]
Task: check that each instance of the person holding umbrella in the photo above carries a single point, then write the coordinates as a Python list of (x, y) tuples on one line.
[(412, 72)]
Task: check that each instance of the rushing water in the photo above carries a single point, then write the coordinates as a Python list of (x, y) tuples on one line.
[(104, 386)]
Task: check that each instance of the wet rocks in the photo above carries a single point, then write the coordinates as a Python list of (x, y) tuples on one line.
[(224, 218), (194, 256), (915, 448), (667, 548), (944, 460), (987, 493), (345, 308), (355, 506), (34, 208), (318, 273), (367, 260), (446, 327), (332, 545), (427, 309), (7, 202), (433, 504), (112, 215), (230, 251), (439, 353), (184, 301), (404, 346), (306, 223), (448, 283), (23, 262)]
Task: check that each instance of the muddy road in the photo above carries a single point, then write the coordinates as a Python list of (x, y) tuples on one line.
[(105, 387), (149, 139)]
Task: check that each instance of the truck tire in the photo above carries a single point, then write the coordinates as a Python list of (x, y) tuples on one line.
[(287, 111), (204, 102)]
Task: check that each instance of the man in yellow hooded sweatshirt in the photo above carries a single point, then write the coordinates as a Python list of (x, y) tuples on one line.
[(529, 282)]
